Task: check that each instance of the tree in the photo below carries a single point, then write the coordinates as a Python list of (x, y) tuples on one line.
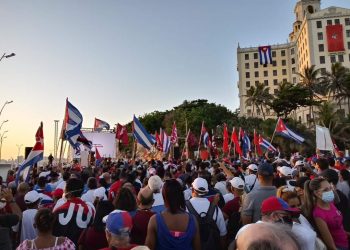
[(259, 97), (309, 78), (290, 97)]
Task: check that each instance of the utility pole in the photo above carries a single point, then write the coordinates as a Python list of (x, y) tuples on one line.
[(19, 150), (55, 146)]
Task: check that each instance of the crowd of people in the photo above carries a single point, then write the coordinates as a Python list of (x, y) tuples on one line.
[(270, 202)]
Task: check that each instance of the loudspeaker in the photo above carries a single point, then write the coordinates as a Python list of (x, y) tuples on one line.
[(27, 151), (177, 154)]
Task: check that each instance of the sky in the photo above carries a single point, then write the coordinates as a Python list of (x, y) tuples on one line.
[(114, 58)]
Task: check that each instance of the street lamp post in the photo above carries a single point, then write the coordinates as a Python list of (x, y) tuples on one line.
[(19, 150), (7, 102), (1, 141), (7, 56)]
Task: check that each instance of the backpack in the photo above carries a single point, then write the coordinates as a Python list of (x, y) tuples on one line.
[(209, 231), (233, 225)]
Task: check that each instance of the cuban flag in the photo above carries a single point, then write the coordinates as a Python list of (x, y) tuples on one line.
[(265, 55), (206, 139), (174, 137), (72, 125), (98, 158), (99, 125), (141, 135), (246, 145), (266, 144), (283, 130), (35, 155), (165, 142)]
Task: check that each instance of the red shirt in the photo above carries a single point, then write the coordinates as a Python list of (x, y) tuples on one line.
[(92, 239), (232, 206), (140, 224)]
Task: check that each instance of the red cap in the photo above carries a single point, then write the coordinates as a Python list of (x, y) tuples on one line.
[(273, 204), (58, 193)]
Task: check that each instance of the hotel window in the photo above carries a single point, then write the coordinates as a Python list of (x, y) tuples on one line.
[(284, 62), (273, 53), (247, 84), (247, 65), (348, 45), (340, 58), (333, 59), (284, 72), (329, 22), (294, 80), (284, 80), (293, 70), (275, 82), (256, 83), (321, 48), (256, 65), (283, 53), (255, 55), (274, 63), (336, 21), (266, 82), (249, 111), (256, 73), (266, 74), (319, 24), (349, 57), (292, 51), (322, 60), (293, 61), (348, 33), (247, 75), (246, 56), (274, 73), (275, 91), (320, 36), (347, 21)]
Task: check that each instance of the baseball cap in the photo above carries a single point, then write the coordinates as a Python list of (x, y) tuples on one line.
[(31, 197), (286, 171), (273, 204), (265, 169), (200, 185), (237, 182), (155, 183), (118, 222), (253, 167)]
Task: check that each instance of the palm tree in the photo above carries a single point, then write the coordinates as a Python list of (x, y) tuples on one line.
[(327, 116), (259, 97), (309, 78), (251, 98), (334, 82), (344, 94)]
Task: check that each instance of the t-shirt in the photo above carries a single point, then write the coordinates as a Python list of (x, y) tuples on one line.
[(28, 232), (140, 223), (305, 234), (251, 180), (333, 219), (120, 248), (252, 202), (89, 196), (229, 197), (91, 239), (72, 218), (232, 206)]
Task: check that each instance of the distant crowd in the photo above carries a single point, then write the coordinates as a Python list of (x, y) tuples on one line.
[(271, 202)]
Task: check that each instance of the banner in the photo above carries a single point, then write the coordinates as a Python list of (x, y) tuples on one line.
[(323, 139), (335, 38)]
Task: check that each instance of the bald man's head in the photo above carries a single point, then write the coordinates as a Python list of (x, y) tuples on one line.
[(145, 198), (266, 236)]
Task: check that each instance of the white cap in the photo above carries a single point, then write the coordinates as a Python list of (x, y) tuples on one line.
[(253, 167), (200, 185), (286, 171), (155, 183), (31, 197), (237, 182), (299, 163), (100, 193)]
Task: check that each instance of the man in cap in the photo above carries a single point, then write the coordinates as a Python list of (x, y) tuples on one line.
[(251, 180), (201, 205), (155, 184), (32, 200), (118, 228), (252, 202), (233, 206)]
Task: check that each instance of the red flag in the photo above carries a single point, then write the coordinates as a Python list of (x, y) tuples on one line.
[(225, 147), (174, 137), (159, 142), (98, 156), (235, 141), (191, 139), (122, 134), (335, 38), (257, 143)]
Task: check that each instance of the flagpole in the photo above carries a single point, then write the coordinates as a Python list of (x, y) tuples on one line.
[(273, 135), (200, 139), (186, 144)]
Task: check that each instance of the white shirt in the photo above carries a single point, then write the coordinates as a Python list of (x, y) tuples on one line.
[(201, 205), (228, 197), (188, 194), (28, 232), (250, 179), (61, 185), (221, 186), (158, 199), (304, 233), (89, 196)]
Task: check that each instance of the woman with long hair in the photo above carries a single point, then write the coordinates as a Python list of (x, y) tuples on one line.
[(44, 221), (173, 228), (319, 209)]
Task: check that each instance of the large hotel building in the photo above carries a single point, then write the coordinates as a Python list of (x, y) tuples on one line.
[(308, 45)]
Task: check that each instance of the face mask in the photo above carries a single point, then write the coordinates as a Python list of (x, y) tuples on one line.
[(328, 196), (286, 220), (2, 205)]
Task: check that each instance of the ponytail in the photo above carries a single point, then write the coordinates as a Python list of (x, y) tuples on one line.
[(309, 197)]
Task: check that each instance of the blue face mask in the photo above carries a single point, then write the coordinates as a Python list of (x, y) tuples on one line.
[(328, 196)]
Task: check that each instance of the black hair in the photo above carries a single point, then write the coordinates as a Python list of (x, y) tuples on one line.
[(331, 161), (322, 163), (44, 220), (66, 176), (125, 200), (75, 187), (345, 174), (102, 209), (42, 182), (92, 183), (160, 171), (331, 176), (174, 196)]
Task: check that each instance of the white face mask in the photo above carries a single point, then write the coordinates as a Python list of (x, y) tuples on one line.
[(2, 204)]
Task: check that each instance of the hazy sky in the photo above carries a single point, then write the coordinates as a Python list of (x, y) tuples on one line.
[(113, 59)]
